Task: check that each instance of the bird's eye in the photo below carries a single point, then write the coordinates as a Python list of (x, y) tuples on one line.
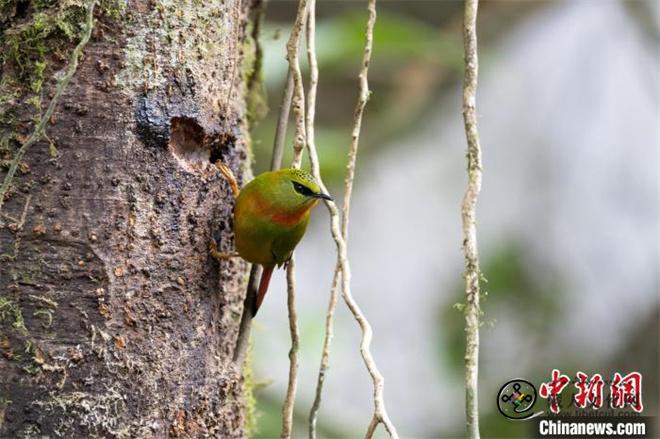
[(301, 189)]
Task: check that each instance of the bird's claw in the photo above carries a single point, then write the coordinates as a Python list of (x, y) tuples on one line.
[(229, 176), (220, 256)]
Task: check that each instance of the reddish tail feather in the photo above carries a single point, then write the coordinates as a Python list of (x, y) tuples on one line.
[(263, 287)]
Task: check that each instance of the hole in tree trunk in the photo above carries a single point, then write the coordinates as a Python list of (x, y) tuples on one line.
[(216, 153), (187, 144), (219, 146)]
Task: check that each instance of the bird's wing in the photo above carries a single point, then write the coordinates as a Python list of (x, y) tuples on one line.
[(284, 244), (282, 250)]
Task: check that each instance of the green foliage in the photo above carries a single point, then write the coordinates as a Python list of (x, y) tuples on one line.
[(331, 144), (340, 42), (402, 47), (494, 425), (512, 282), (270, 421), (396, 40), (517, 289)]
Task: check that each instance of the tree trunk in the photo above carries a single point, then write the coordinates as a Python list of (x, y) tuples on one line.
[(114, 319)]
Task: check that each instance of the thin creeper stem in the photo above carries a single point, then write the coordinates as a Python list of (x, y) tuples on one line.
[(468, 213), (342, 270), (282, 122), (298, 102), (325, 356), (380, 413), (313, 156), (287, 409), (39, 130), (311, 146)]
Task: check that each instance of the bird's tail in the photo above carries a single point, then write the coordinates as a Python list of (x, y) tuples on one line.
[(253, 298), (263, 287)]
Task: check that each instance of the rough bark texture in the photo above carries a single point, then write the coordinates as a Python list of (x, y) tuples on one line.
[(114, 320)]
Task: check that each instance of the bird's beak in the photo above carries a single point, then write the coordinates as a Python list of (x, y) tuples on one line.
[(324, 196)]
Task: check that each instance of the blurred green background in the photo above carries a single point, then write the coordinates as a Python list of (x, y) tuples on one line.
[(568, 107)]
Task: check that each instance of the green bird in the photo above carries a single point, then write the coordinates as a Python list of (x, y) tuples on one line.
[(270, 218)]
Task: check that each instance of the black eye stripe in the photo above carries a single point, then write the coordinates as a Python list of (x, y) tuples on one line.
[(301, 189)]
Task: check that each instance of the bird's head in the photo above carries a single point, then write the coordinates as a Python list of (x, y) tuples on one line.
[(297, 189)]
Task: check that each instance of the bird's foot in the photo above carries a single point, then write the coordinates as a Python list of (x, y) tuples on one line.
[(218, 255), (229, 175)]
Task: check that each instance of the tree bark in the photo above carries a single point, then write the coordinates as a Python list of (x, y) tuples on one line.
[(114, 319)]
